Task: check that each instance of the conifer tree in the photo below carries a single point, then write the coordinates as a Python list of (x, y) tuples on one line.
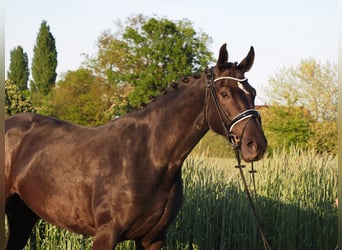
[(18, 72), (44, 61)]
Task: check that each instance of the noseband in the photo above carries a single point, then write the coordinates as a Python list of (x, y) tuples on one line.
[(249, 113)]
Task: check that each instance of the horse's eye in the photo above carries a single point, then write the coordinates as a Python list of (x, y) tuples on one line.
[(224, 94)]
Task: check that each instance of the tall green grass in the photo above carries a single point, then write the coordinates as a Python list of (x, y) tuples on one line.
[(296, 192)]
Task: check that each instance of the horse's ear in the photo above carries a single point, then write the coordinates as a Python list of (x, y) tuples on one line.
[(246, 64), (223, 56)]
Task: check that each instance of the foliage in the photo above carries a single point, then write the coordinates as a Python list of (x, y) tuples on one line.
[(41, 102), (149, 53), (16, 101), (80, 98), (324, 137), (18, 70), (161, 63), (311, 85), (213, 145), (286, 126), (44, 61), (296, 194)]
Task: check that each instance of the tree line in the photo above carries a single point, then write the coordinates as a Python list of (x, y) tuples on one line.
[(136, 62)]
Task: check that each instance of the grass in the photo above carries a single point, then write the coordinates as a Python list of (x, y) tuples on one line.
[(296, 192)]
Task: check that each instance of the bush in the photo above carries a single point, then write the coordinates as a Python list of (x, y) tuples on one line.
[(16, 101)]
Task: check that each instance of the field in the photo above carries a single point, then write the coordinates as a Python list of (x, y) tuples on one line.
[(296, 189)]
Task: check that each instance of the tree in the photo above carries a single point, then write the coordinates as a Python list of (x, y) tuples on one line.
[(44, 61), (15, 100), (311, 85), (286, 126), (18, 70), (82, 98), (324, 137), (149, 53)]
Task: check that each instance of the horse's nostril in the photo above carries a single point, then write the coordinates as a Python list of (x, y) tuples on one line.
[(252, 146), (251, 151)]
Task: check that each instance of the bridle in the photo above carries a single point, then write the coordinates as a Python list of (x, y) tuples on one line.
[(223, 115), (234, 140)]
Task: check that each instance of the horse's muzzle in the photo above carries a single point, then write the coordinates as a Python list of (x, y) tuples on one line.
[(253, 149)]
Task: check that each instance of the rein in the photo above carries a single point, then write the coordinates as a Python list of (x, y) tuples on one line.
[(254, 209), (236, 143)]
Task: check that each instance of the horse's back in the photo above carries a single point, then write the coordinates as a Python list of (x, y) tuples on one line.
[(21, 121), (25, 121)]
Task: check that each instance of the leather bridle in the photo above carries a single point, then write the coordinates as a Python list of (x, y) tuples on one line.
[(223, 115)]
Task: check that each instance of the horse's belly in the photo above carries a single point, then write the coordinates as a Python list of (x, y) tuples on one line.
[(66, 207), (72, 217)]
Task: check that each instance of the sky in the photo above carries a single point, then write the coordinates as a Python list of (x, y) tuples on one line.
[(281, 32)]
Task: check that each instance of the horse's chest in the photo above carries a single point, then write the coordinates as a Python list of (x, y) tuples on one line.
[(171, 201), (159, 213)]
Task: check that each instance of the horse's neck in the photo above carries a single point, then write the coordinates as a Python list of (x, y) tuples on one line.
[(178, 122)]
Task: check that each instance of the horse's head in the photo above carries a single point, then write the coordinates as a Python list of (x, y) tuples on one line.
[(230, 107)]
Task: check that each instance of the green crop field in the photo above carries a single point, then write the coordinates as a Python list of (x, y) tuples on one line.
[(296, 193)]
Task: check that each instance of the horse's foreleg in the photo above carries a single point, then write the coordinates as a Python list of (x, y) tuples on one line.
[(21, 220), (148, 245), (105, 237)]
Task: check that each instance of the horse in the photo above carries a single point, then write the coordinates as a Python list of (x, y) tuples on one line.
[(122, 180)]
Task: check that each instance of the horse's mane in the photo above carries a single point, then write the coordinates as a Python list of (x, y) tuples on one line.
[(184, 80), (173, 86)]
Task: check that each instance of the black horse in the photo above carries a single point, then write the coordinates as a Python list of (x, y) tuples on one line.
[(122, 180)]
